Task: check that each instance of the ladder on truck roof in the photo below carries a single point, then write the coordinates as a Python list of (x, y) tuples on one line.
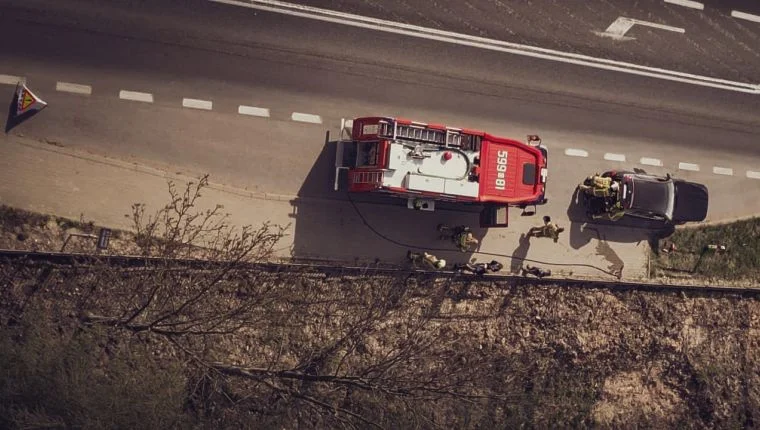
[(361, 177), (422, 133)]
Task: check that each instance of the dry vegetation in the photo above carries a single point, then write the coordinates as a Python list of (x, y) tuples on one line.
[(690, 259), (220, 346)]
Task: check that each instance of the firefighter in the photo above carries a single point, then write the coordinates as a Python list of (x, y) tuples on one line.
[(427, 259), (461, 236), (613, 214), (464, 240), (599, 186), (535, 271), (549, 229)]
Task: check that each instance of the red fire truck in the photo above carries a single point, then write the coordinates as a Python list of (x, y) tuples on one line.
[(424, 163)]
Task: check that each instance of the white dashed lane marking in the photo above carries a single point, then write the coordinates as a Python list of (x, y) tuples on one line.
[(621, 25), (10, 79), (688, 166), (614, 157), (651, 161), (687, 3), (575, 152), (68, 87), (253, 111), (746, 16), (316, 119), (306, 117), (136, 96), (197, 104)]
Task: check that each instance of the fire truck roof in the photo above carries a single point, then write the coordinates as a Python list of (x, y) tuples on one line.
[(409, 157), (509, 170)]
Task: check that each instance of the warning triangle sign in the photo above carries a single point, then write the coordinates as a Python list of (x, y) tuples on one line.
[(27, 101)]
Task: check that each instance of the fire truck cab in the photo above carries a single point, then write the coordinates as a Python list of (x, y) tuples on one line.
[(425, 163)]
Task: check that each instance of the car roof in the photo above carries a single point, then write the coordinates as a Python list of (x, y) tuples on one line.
[(650, 194)]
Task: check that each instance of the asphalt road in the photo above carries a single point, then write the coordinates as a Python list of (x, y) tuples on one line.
[(713, 42), (234, 56)]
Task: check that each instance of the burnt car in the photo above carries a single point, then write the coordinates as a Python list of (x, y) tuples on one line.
[(652, 197)]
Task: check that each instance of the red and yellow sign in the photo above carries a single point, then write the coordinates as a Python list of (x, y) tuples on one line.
[(27, 101)]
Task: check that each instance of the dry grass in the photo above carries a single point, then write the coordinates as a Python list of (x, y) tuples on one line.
[(31, 231), (741, 262)]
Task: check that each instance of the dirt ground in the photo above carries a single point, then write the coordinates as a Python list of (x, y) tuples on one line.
[(22, 230), (557, 356)]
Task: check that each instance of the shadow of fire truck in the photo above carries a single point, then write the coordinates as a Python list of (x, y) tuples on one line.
[(369, 231), (367, 227)]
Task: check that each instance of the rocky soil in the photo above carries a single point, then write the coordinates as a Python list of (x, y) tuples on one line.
[(514, 354)]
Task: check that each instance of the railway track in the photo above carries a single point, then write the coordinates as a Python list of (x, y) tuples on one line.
[(332, 269)]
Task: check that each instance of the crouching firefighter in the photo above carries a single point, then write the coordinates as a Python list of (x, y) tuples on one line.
[(429, 261), (461, 236), (614, 213)]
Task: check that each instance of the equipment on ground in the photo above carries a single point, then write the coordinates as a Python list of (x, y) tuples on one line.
[(538, 272)]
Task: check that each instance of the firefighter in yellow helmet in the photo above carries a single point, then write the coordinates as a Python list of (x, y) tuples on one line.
[(614, 213), (461, 236), (428, 260), (549, 229), (600, 186), (464, 240)]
